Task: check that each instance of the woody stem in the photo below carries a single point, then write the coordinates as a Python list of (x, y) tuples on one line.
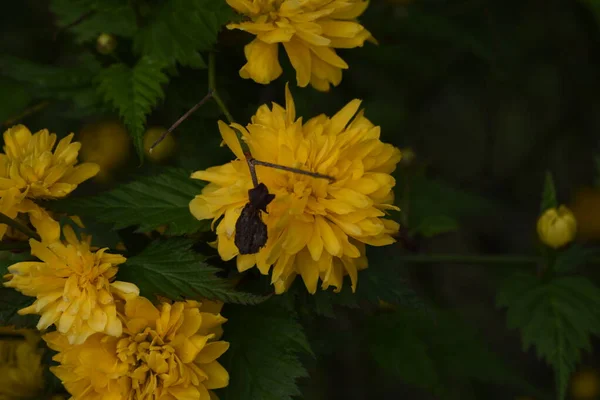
[(5, 219)]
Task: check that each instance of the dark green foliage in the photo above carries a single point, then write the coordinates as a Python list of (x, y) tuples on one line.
[(556, 317), (178, 30), (435, 351), (133, 92), (87, 19), (148, 203), (266, 341), (170, 268), (73, 83)]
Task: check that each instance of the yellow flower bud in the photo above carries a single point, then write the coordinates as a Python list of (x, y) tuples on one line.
[(585, 385), (106, 43), (557, 227)]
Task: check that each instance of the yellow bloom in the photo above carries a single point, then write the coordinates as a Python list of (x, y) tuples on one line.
[(10, 206), (21, 370), (74, 286), (556, 228), (309, 30), (164, 353), (31, 166), (29, 169), (316, 228)]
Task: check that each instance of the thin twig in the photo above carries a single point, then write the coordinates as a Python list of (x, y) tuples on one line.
[(5, 219), (290, 169), (79, 20), (181, 119), (470, 259), (249, 160), (31, 110)]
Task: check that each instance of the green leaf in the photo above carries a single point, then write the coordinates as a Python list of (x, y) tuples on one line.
[(47, 81), (434, 353), (179, 29), (436, 225), (12, 301), (133, 92), (87, 19), (170, 268), (572, 258), (549, 194), (556, 317), (262, 361), (149, 202)]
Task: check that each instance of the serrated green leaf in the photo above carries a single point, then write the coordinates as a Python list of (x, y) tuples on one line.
[(179, 29), (94, 17), (133, 92), (436, 225), (149, 203), (262, 361), (572, 258), (11, 302), (549, 194), (556, 317), (170, 268)]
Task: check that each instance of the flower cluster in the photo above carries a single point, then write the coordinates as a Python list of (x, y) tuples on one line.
[(30, 169), (316, 228), (165, 352), (111, 342), (73, 285), (309, 30)]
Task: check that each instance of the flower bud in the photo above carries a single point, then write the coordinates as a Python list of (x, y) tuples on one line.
[(106, 43), (557, 227)]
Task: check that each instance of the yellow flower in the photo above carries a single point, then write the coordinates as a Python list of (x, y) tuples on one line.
[(556, 228), (74, 286), (164, 353), (316, 228), (21, 370), (31, 166), (309, 30), (10, 206)]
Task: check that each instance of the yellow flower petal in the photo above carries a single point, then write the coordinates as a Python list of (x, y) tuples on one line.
[(231, 139), (300, 57), (211, 352), (263, 65), (217, 375)]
